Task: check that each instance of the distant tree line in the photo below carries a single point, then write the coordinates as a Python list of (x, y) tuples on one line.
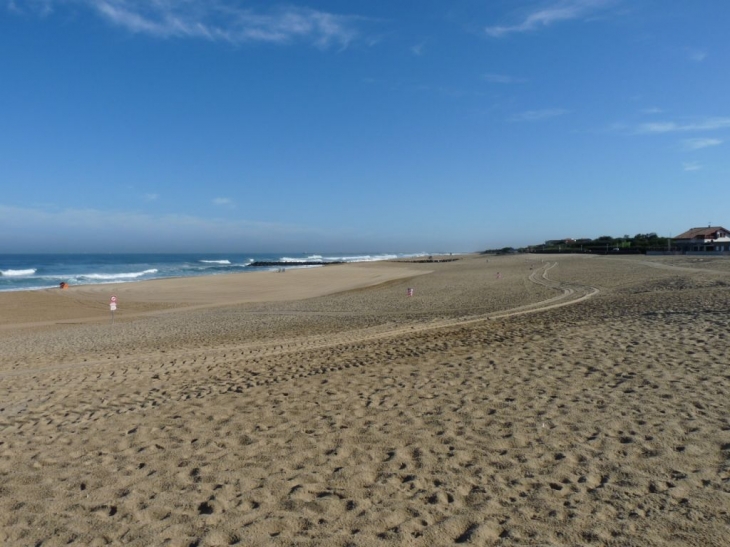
[(640, 243)]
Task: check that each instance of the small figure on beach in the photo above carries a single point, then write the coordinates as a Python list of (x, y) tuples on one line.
[(499, 275)]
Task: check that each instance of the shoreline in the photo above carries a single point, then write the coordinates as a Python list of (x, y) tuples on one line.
[(193, 292), (47, 271)]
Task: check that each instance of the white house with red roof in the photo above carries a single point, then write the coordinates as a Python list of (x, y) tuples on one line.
[(713, 239)]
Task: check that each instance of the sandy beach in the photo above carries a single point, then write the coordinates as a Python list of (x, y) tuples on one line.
[(557, 400)]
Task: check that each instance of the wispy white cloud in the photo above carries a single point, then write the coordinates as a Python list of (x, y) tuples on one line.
[(698, 144), (652, 110), (76, 229), (707, 124), (691, 166), (218, 20), (503, 79), (41, 7), (658, 127), (538, 115), (564, 10), (418, 49), (150, 197), (223, 202), (696, 55)]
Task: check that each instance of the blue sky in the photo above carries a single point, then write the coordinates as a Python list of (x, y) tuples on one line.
[(403, 126)]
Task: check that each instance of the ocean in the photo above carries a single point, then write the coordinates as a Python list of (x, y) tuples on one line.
[(22, 272)]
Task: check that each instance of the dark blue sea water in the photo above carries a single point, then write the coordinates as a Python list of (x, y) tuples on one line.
[(39, 271)]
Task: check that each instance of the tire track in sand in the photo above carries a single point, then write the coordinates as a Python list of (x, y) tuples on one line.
[(570, 293), (132, 383)]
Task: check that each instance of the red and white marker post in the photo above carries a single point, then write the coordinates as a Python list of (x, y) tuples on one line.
[(113, 306)]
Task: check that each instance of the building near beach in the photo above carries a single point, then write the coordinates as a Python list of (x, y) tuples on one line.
[(713, 239)]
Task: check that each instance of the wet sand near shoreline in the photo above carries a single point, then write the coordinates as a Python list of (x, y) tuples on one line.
[(90, 303), (518, 400)]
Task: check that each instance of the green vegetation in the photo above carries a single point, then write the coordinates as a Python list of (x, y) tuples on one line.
[(640, 243)]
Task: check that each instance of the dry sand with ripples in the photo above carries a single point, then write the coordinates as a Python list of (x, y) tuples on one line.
[(570, 400)]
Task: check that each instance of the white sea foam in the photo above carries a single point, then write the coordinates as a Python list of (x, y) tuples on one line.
[(17, 273), (303, 259), (351, 258), (48, 271), (106, 277), (362, 258)]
